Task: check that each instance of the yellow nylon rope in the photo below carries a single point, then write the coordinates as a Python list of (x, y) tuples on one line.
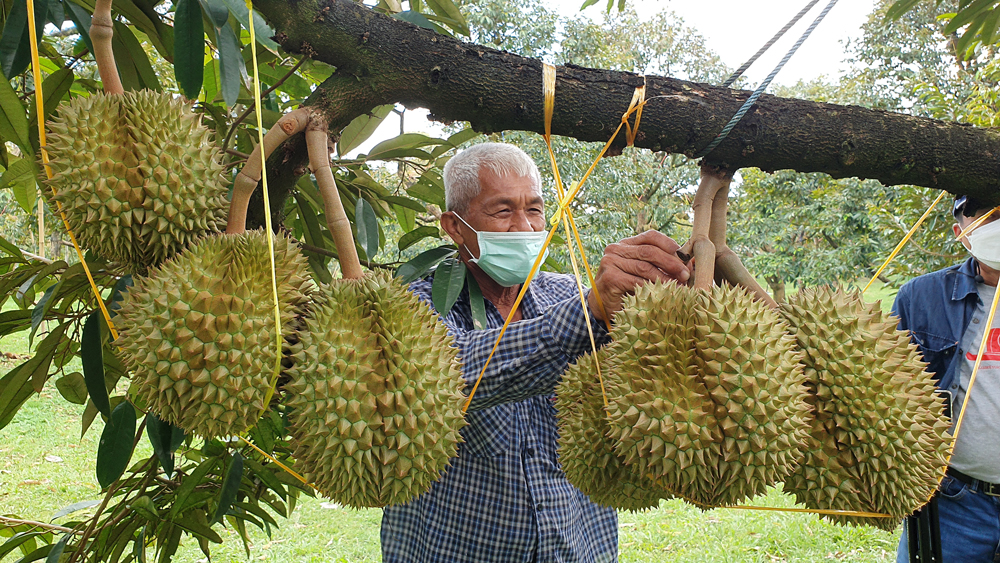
[(975, 224), (903, 242), (36, 73), (267, 213)]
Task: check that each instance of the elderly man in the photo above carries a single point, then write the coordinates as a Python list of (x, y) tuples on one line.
[(505, 497)]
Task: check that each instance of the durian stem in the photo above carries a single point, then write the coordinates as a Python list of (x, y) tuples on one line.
[(733, 271), (101, 32), (249, 176), (317, 143), (713, 181)]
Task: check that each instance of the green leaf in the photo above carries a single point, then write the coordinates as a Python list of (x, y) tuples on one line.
[(13, 123), (189, 47), (145, 506), (129, 53), (361, 128), (231, 66), (92, 355), (198, 529), (414, 236), (230, 487), (115, 449), (404, 141), (163, 436), (367, 225), (449, 278), (21, 176), (966, 15), (81, 18), (55, 86), (426, 190), (217, 12), (20, 382), (11, 249), (897, 9), (406, 217), (419, 266), (75, 507), (455, 140), (405, 202), (477, 303), (41, 309), (58, 548), (416, 18), (73, 388), (17, 541), (118, 293), (15, 44), (188, 484), (448, 9), (261, 30)]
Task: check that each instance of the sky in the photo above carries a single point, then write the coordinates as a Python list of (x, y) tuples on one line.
[(734, 29)]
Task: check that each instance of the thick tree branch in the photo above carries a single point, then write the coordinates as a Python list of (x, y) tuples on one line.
[(381, 60)]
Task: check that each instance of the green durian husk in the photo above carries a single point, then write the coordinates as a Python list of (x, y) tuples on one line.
[(879, 439), (706, 392), (375, 395), (137, 176), (198, 333), (586, 454)]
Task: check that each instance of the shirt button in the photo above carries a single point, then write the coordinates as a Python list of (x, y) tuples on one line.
[(529, 452), (539, 506), (976, 320), (954, 386)]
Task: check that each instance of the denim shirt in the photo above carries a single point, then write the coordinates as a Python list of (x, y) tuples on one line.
[(936, 308)]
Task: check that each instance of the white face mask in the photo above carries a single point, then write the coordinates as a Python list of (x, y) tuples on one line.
[(985, 242), (505, 256)]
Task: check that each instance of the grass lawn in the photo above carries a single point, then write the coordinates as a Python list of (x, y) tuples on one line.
[(45, 465)]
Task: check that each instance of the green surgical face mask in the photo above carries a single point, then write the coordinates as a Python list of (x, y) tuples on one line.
[(507, 257)]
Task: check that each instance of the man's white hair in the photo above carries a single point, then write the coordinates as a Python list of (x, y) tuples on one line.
[(461, 173)]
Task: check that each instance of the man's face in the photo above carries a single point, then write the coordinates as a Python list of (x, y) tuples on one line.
[(504, 204), (964, 222)]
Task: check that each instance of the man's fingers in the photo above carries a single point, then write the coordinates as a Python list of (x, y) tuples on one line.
[(643, 271), (668, 262), (654, 238)]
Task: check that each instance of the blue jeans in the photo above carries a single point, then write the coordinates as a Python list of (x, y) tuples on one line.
[(970, 525)]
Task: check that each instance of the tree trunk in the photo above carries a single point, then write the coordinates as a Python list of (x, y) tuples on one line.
[(382, 60)]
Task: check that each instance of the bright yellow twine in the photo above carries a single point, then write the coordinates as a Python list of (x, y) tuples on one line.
[(274, 460), (267, 213), (36, 73), (903, 242)]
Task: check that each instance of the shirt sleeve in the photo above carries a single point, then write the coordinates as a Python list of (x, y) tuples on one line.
[(900, 307), (530, 357)]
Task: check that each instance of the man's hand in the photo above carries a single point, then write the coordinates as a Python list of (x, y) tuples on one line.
[(632, 262)]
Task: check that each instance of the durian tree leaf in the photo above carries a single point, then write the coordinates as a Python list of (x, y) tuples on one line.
[(13, 122), (477, 304), (36, 555), (58, 548), (898, 8), (405, 202), (217, 12), (266, 477), (137, 57), (448, 10), (55, 86), (426, 189), (163, 437), (406, 217), (73, 388), (455, 140), (189, 47), (416, 18), (196, 528), (115, 448), (422, 263), (262, 31), (416, 235), (367, 225), (171, 536), (231, 65), (75, 507), (256, 511), (404, 141), (188, 484), (210, 85), (17, 540), (967, 14), (361, 128), (41, 309), (90, 413), (14, 321), (80, 18), (11, 249), (118, 293), (230, 487), (15, 43), (92, 356), (19, 383), (449, 278), (20, 176)]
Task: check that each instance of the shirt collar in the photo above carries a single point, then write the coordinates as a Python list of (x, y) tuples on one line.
[(965, 283)]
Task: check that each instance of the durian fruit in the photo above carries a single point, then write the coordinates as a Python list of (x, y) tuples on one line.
[(586, 454), (137, 175), (198, 334), (879, 439), (375, 394), (707, 392)]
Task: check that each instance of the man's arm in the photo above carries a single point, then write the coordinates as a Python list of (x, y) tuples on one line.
[(901, 307)]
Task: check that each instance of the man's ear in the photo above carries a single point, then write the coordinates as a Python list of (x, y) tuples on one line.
[(450, 225)]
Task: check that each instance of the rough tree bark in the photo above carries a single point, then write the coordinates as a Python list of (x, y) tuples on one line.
[(382, 60)]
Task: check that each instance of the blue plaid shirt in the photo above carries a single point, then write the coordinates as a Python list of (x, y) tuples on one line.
[(505, 498)]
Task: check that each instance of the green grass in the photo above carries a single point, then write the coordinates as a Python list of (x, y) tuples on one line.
[(34, 487)]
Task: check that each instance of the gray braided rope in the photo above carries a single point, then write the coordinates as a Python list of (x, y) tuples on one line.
[(763, 85), (739, 72)]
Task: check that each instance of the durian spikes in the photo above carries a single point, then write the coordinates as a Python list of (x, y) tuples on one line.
[(714, 259), (101, 32), (317, 144)]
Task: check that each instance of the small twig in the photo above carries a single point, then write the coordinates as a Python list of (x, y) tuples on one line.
[(33, 256), (250, 108), (240, 154), (16, 522)]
